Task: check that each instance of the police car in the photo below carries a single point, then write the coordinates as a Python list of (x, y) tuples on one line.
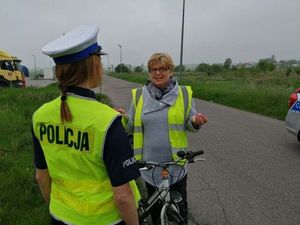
[(292, 118)]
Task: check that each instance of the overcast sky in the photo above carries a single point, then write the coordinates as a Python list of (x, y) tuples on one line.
[(243, 30)]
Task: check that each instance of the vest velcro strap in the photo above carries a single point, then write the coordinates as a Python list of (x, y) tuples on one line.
[(138, 129), (177, 127)]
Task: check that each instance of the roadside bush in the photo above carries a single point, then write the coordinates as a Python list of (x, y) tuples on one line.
[(216, 68), (139, 69), (265, 65), (122, 68), (203, 67)]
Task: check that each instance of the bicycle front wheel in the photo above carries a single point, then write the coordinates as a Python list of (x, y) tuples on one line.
[(171, 217)]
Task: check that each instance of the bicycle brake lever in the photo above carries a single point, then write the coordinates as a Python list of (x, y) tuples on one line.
[(199, 159), (146, 167), (191, 160)]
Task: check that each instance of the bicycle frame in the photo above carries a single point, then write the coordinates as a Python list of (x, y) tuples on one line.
[(165, 185), (163, 193)]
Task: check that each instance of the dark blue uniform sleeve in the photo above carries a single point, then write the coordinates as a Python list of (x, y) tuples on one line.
[(118, 156), (38, 157)]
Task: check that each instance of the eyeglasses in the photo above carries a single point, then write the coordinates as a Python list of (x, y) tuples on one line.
[(160, 70)]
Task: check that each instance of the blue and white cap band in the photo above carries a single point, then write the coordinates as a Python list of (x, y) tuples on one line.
[(95, 48)]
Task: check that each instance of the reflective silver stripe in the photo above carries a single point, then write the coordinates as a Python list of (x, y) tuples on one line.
[(179, 127), (185, 99), (138, 129), (175, 150), (137, 151)]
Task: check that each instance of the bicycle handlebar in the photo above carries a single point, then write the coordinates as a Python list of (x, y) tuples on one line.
[(189, 156)]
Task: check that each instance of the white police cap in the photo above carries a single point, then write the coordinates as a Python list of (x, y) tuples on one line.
[(75, 45)]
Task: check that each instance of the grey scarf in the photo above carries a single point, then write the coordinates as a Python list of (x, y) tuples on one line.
[(158, 93)]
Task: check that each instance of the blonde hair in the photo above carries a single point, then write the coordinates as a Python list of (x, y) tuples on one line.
[(161, 58), (89, 69)]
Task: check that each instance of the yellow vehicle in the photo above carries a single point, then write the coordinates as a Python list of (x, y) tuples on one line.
[(11, 74)]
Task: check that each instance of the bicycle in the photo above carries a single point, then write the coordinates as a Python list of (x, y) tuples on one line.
[(170, 199)]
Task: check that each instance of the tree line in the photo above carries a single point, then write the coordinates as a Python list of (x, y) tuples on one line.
[(263, 65)]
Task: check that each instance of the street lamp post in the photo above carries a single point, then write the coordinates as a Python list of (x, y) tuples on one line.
[(34, 60), (120, 46), (108, 62), (182, 33)]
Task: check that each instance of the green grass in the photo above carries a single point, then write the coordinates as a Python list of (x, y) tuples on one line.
[(20, 198), (263, 93)]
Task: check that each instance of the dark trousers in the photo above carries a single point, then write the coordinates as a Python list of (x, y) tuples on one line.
[(56, 222), (179, 187)]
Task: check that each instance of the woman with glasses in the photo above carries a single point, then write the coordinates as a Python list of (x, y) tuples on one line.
[(159, 117), (80, 145)]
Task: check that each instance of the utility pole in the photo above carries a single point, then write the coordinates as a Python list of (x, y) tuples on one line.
[(108, 62), (120, 46), (181, 48), (34, 60)]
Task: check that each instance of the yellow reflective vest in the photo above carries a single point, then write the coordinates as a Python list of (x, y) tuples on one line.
[(81, 192), (177, 116)]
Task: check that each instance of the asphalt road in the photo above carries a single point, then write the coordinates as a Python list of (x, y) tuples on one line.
[(251, 175), (38, 83)]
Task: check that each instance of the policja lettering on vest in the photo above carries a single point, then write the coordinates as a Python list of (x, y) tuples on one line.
[(61, 135)]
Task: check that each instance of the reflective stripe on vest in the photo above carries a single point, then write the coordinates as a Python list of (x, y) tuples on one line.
[(81, 192), (177, 115)]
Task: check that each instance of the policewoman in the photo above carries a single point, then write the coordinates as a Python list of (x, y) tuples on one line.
[(84, 163), (160, 115)]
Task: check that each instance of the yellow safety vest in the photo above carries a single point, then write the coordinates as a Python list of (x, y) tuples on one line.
[(81, 192), (177, 115)]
